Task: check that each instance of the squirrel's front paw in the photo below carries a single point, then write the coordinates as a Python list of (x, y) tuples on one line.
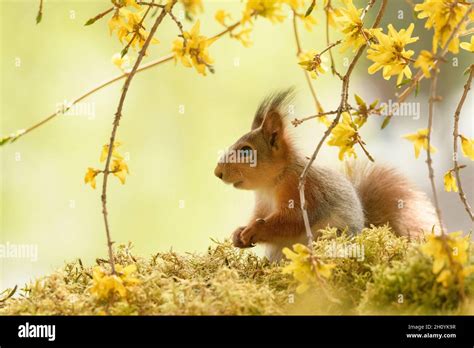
[(237, 240)]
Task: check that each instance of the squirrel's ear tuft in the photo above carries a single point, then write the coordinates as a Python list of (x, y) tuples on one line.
[(275, 103), (272, 128)]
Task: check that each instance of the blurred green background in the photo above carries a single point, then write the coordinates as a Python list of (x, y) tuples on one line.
[(172, 155)]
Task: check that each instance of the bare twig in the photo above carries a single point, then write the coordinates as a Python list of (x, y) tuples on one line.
[(429, 161), (299, 50), (330, 46), (39, 15), (146, 3), (116, 123), (367, 153), (99, 16), (343, 106), (327, 8), (456, 168), (296, 122)]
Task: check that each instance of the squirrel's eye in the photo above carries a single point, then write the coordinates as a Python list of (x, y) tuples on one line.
[(245, 151)]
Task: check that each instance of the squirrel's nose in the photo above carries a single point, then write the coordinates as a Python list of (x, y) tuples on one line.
[(218, 173)]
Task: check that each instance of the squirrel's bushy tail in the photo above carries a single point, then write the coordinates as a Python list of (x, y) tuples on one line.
[(388, 196)]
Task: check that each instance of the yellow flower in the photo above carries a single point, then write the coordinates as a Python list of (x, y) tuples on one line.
[(309, 22), (115, 153), (468, 46), (120, 169), (243, 36), (129, 30), (425, 62), (192, 7), (311, 61), (295, 4), (348, 19), (90, 176), (132, 3), (194, 51), (304, 269), (450, 255), (443, 16), (467, 146), (221, 16), (106, 286), (344, 135), (123, 63), (331, 13), (450, 182), (115, 22), (389, 53), (420, 140), (270, 9)]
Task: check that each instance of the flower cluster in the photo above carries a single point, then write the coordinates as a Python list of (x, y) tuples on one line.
[(192, 50), (345, 135), (119, 167), (111, 286), (450, 257), (348, 19), (389, 53), (305, 268), (312, 62), (128, 26), (443, 16)]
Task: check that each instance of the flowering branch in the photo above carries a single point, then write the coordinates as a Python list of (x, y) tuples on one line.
[(343, 106), (419, 75), (116, 123), (299, 50), (167, 58)]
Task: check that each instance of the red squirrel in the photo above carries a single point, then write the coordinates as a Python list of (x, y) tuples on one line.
[(265, 160)]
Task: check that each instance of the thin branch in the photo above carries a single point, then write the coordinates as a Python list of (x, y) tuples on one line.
[(367, 153), (331, 57), (296, 122), (164, 59), (116, 123), (457, 113), (159, 61), (299, 50), (178, 23), (330, 46), (99, 16), (342, 107), (227, 30), (150, 4), (39, 15), (429, 161)]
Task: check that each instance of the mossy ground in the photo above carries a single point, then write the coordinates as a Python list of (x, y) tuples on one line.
[(394, 277)]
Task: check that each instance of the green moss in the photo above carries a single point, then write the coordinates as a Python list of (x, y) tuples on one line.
[(229, 281)]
